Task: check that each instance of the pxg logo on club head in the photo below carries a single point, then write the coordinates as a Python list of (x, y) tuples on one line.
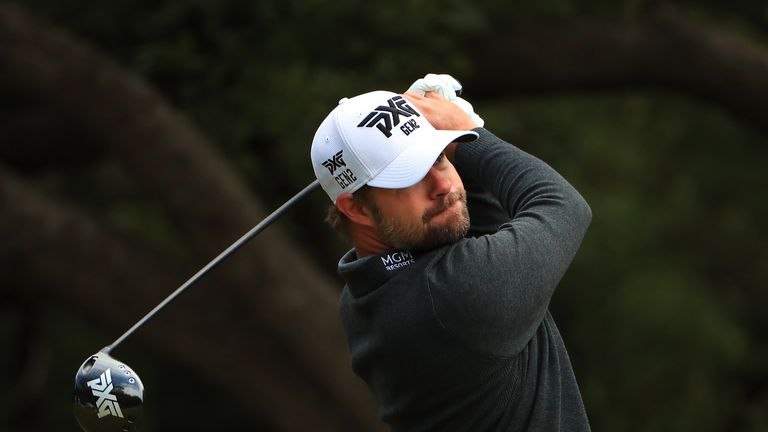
[(108, 396), (106, 401)]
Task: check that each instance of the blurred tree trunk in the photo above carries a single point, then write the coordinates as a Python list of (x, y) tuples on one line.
[(269, 288), (50, 244)]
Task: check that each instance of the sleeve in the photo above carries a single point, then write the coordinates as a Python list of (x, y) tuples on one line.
[(485, 212), (493, 291)]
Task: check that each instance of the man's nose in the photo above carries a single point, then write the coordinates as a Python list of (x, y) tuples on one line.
[(440, 185)]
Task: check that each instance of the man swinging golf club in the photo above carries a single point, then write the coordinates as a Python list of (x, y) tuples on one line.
[(446, 316)]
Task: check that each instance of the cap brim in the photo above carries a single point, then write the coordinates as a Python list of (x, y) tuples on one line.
[(414, 163)]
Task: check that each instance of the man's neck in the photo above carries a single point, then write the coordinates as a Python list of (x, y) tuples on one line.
[(367, 242)]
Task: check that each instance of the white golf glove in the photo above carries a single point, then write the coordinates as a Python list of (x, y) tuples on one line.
[(447, 87)]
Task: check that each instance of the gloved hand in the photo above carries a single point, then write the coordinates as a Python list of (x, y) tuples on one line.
[(447, 87)]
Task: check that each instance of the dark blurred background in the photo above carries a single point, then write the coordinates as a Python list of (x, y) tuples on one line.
[(139, 138)]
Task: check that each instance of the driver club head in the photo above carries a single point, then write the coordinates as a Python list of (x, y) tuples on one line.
[(108, 396)]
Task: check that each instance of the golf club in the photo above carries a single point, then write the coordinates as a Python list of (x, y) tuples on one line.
[(108, 394)]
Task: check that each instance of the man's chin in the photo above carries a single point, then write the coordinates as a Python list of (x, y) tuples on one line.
[(444, 228), (453, 229), (455, 218)]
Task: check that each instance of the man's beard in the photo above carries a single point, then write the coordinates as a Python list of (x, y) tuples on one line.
[(425, 235)]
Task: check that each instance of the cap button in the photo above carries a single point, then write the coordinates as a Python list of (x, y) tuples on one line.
[(342, 100)]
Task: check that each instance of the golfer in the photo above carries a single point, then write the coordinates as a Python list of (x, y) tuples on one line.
[(459, 242)]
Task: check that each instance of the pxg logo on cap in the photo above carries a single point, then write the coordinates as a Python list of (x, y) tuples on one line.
[(377, 139), (335, 162), (384, 117)]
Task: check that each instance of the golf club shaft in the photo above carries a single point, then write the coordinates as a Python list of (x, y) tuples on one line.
[(216, 261)]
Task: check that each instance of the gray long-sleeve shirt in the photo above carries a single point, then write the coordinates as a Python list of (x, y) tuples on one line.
[(460, 338)]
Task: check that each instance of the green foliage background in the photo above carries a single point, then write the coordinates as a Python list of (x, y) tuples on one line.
[(662, 310)]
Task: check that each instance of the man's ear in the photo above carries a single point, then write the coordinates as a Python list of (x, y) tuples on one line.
[(355, 210)]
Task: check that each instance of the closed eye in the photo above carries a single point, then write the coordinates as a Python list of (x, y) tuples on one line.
[(440, 158)]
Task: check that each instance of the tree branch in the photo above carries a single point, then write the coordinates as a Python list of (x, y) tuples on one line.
[(666, 50)]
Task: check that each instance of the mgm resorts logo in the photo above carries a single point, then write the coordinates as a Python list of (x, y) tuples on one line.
[(345, 177), (385, 117), (396, 260), (101, 387)]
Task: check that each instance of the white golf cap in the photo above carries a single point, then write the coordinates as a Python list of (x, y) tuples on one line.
[(378, 139)]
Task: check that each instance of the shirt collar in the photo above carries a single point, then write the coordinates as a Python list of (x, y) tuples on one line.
[(365, 274)]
